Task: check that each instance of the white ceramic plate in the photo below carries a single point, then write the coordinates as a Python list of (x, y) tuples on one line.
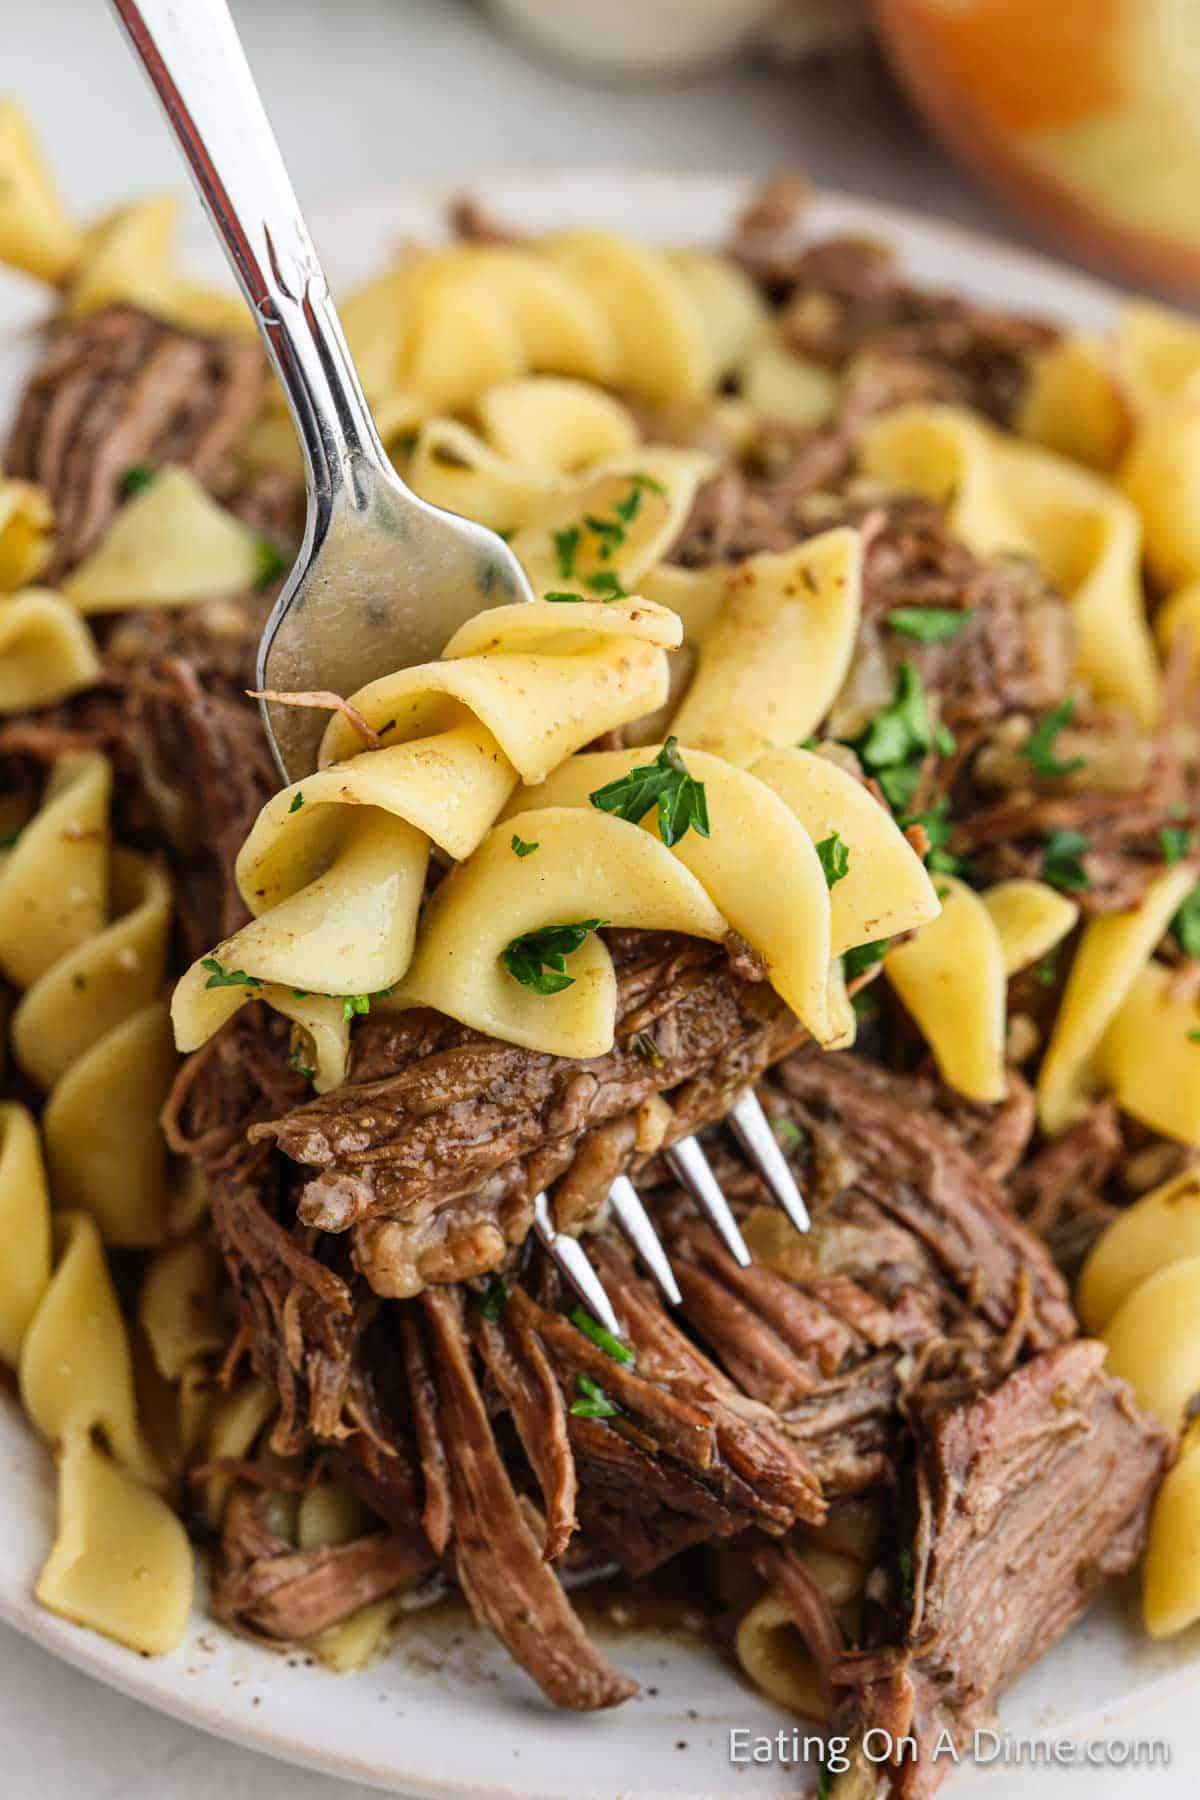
[(446, 1712)]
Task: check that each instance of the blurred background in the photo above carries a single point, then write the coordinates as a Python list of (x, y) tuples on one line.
[(373, 92), (1075, 123)]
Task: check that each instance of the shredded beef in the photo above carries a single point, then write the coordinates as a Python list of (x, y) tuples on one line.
[(1027, 1500), (121, 389)]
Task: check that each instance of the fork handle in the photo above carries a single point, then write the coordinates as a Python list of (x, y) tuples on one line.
[(194, 58)]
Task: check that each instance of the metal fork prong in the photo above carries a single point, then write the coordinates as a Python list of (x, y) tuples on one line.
[(570, 1258), (756, 1135), (634, 1221), (691, 1168)]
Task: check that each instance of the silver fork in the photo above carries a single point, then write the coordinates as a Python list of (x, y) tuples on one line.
[(382, 579)]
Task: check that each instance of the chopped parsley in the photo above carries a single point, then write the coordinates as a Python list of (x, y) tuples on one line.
[(136, 479), (938, 827), (538, 959), (520, 847), (1061, 864), (607, 583), (593, 1403), (864, 956), (1040, 749), (603, 1340), (643, 1045), (786, 1132), (899, 738), (681, 801), (297, 803), (834, 855), (1046, 972), (566, 549), (219, 977), (1194, 1036), (1176, 841), (560, 597), (824, 1783), (269, 562), (491, 1300), (1186, 925), (355, 1003), (929, 624), (610, 532), (296, 1061)]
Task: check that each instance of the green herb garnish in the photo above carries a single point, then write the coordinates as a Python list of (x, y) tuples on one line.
[(355, 1003), (561, 597), (863, 957), (607, 583), (834, 856), (269, 562), (786, 1132), (825, 1783), (136, 479), (219, 977), (1061, 865), (1040, 749), (929, 624), (1194, 1036), (1176, 841), (1046, 972), (603, 1340), (1186, 925), (490, 1300), (296, 1061), (938, 827), (10, 837), (297, 803), (520, 847), (538, 959), (681, 800), (566, 549), (899, 738), (595, 1403)]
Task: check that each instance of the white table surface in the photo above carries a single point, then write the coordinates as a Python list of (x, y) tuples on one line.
[(368, 93)]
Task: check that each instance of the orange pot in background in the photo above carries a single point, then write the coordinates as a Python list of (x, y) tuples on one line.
[(1084, 114)]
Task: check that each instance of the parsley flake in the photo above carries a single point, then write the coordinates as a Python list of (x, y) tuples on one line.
[(1186, 925), (1046, 972), (929, 624), (835, 858), (1040, 748), (786, 1132), (355, 1003), (681, 800), (825, 1783), (594, 1403), (135, 479), (1176, 841), (538, 959), (269, 562), (603, 1340), (1061, 864), (560, 597), (1194, 1036), (566, 549), (938, 827), (296, 1061), (490, 1300), (219, 977), (607, 583), (864, 956), (899, 738), (520, 847), (297, 803)]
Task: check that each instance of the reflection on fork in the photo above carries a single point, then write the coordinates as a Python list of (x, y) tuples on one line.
[(693, 1171)]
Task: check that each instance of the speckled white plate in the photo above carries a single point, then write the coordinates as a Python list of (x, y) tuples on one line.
[(446, 1712)]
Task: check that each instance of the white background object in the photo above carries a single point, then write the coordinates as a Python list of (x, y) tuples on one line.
[(362, 92)]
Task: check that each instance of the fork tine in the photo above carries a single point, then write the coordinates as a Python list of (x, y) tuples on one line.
[(634, 1221), (691, 1167), (569, 1255), (757, 1137)]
